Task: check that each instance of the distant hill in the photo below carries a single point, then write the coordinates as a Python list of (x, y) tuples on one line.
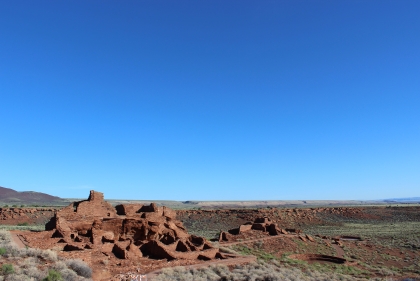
[(403, 200), (10, 196)]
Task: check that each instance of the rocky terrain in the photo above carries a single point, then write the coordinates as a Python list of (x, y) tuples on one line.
[(360, 242), (368, 241), (25, 216)]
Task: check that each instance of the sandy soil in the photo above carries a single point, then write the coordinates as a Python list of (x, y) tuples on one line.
[(16, 238)]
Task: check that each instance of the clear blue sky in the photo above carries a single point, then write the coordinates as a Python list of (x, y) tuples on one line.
[(211, 100)]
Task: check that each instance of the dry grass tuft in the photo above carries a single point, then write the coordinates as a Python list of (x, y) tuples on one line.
[(79, 267)]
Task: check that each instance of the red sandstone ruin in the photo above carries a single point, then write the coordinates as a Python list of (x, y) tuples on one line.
[(127, 231), (261, 224), (265, 226)]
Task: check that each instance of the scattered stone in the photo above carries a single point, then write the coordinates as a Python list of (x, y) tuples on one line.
[(310, 238)]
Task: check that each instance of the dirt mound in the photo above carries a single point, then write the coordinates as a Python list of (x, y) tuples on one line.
[(318, 258)]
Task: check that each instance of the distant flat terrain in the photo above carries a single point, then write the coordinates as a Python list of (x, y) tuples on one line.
[(12, 197), (186, 205)]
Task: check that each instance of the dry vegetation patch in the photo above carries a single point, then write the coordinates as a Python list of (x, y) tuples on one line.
[(35, 264), (260, 271)]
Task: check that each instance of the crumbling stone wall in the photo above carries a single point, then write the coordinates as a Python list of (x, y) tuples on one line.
[(263, 224), (128, 231), (88, 210)]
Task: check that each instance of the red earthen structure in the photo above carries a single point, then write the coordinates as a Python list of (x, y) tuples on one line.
[(127, 231), (262, 224)]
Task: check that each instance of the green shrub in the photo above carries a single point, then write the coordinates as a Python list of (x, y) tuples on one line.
[(53, 276), (23, 224), (7, 269), (2, 251)]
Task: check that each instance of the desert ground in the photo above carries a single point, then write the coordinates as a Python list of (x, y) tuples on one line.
[(287, 242)]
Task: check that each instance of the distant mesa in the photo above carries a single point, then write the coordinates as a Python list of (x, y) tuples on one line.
[(10, 196), (403, 200)]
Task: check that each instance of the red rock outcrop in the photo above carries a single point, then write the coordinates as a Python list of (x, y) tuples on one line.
[(127, 231)]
